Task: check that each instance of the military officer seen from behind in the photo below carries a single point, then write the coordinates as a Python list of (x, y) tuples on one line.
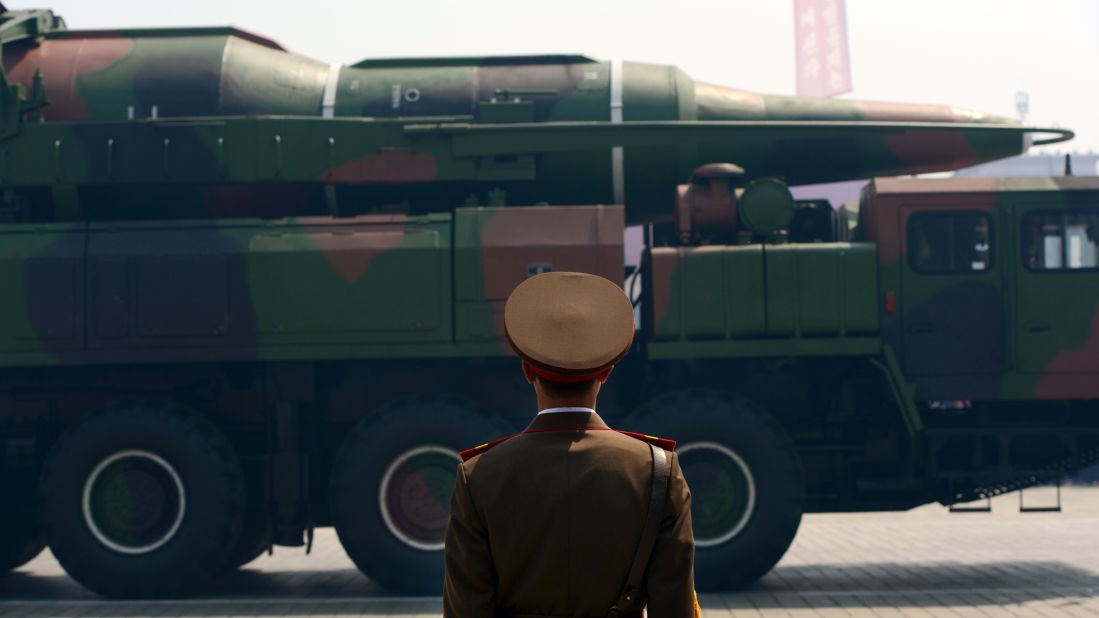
[(570, 518)]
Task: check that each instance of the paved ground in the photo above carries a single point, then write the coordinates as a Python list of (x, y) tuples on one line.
[(922, 563)]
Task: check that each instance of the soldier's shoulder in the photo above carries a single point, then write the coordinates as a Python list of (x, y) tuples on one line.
[(480, 449), (664, 443), (476, 451)]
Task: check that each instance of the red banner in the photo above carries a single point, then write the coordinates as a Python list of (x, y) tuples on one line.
[(820, 43)]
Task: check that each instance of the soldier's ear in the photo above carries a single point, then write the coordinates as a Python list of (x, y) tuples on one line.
[(528, 371), (606, 374)]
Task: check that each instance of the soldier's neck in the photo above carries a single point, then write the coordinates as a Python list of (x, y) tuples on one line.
[(545, 403), (577, 400)]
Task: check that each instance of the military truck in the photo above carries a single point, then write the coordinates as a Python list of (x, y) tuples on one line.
[(247, 294)]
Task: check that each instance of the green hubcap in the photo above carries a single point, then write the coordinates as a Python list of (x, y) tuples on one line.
[(133, 502), (723, 492), (415, 496)]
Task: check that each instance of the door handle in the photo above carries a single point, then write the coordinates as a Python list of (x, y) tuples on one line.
[(1036, 327), (921, 328)]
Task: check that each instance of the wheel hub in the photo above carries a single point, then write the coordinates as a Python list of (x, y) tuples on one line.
[(723, 491), (134, 502), (415, 495)]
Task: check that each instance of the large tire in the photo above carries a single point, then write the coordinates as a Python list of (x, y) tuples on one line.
[(143, 500), (17, 550), (745, 477), (255, 534), (20, 539), (407, 452)]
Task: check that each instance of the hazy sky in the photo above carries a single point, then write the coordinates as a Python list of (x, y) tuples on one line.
[(968, 53)]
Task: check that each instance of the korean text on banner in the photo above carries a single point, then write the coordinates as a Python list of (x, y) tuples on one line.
[(820, 40)]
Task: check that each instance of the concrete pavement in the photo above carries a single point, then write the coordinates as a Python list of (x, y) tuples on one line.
[(925, 562)]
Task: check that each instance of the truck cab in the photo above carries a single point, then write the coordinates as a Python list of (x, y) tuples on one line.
[(990, 286)]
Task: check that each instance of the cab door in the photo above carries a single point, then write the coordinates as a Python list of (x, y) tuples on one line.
[(1057, 325), (951, 296)]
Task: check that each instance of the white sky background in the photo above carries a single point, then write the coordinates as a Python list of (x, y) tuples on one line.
[(967, 53)]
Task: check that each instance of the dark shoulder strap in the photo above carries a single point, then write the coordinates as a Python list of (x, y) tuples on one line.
[(661, 471)]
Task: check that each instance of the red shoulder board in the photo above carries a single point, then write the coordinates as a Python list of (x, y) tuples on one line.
[(664, 443), (470, 453)]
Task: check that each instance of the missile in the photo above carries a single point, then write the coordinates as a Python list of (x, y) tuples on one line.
[(599, 131)]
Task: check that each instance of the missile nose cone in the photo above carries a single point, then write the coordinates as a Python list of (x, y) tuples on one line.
[(925, 112), (721, 103), (969, 115)]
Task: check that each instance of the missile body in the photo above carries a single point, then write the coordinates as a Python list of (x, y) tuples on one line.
[(209, 72), (112, 75)]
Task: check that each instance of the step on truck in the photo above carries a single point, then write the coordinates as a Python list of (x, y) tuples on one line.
[(247, 294)]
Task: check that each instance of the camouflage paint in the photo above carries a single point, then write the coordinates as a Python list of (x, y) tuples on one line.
[(219, 149), (497, 248), (222, 72), (203, 198), (451, 159), (226, 71), (965, 336), (987, 349), (44, 320), (65, 62), (230, 289), (754, 300)]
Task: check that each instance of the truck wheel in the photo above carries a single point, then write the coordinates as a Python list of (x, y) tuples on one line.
[(391, 485), (20, 540), (255, 535), (16, 549), (747, 488), (252, 544), (144, 500)]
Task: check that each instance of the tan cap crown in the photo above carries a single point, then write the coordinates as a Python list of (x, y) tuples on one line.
[(570, 324)]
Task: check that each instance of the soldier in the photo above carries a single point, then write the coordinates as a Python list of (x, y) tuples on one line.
[(569, 518)]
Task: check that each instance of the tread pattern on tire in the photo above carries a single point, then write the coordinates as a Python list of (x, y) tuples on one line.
[(186, 426), (696, 406), (17, 551), (396, 425)]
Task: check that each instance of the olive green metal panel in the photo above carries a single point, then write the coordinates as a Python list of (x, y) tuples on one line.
[(860, 289), (662, 305), (821, 278), (257, 286), (765, 348), (704, 293), (746, 290), (756, 300), (783, 297), (387, 284), (821, 290), (42, 310), (496, 248)]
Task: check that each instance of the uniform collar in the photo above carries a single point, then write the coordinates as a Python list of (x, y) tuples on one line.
[(566, 409), (567, 420)]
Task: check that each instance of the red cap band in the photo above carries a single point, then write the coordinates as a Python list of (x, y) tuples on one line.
[(556, 376), (545, 374)]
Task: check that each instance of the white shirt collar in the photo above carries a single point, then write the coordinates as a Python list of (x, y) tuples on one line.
[(570, 409)]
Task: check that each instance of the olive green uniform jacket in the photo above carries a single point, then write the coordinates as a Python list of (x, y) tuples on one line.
[(547, 524)]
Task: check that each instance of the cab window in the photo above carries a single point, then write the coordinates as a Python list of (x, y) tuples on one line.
[(1058, 241), (941, 243)]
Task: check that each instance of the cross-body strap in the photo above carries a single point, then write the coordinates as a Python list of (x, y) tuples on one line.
[(661, 472)]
